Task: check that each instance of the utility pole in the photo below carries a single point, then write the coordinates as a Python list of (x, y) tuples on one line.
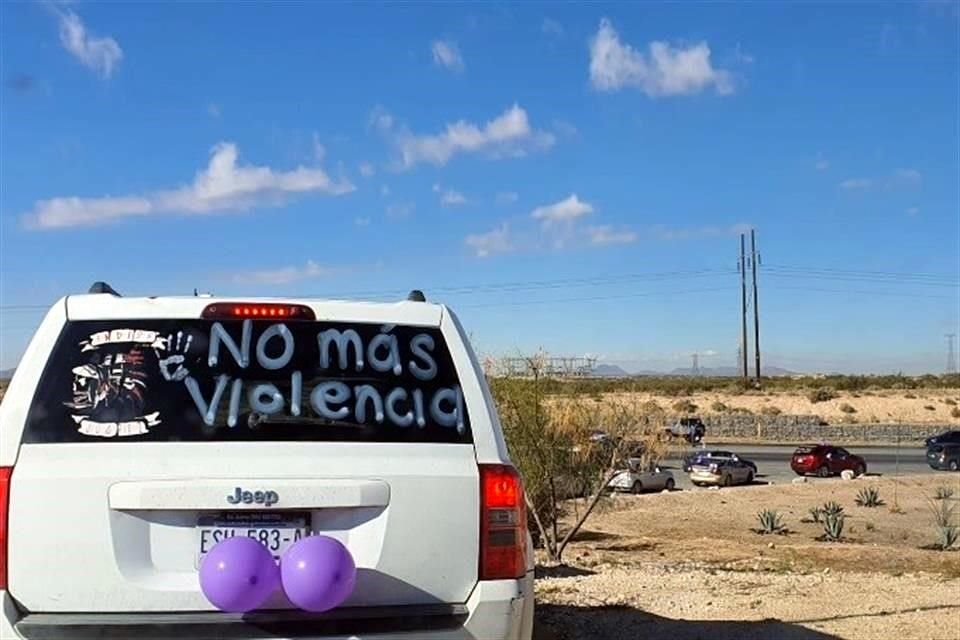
[(743, 301), (951, 358), (754, 263)]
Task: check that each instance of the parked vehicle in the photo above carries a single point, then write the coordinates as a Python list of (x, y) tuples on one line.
[(690, 429), (724, 472), (944, 457), (698, 455), (826, 461), (947, 437), (635, 480), (137, 432)]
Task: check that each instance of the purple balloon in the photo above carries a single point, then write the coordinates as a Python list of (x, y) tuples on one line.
[(318, 573), (238, 575)]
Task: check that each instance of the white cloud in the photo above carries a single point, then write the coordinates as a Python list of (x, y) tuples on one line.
[(507, 197), (898, 179), (400, 209), (491, 243), (566, 210), (449, 197), (509, 134), (222, 186), (367, 170), (913, 211), (319, 151), (213, 110), (664, 71), (856, 184), (284, 275), (447, 55), (100, 54), (361, 222), (551, 27), (606, 235)]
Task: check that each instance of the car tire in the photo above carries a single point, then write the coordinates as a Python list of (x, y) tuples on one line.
[(859, 471), (954, 465), (727, 481), (750, 478), (671, 485), (823, 471), (638, 487)]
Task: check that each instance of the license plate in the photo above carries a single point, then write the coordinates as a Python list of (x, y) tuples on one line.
[(276, 531)]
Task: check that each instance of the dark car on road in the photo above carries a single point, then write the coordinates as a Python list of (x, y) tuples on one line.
[(944, 457), (826, 461), (699, 455), (947, 437)]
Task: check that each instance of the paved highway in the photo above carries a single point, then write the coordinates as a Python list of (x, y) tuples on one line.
[(773, 461)]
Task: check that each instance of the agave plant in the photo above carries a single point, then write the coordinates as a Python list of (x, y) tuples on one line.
[(869, 497), (947, 537), (770, 522), (815, 513), (832, 508), (833, 526)]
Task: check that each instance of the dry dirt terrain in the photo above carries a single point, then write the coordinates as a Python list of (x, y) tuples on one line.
[(913, 407), (687, 565)]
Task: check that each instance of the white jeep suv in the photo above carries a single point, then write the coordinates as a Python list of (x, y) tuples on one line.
[(138, 432)]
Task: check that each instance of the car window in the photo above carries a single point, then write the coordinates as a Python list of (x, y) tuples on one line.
[(201, 380)]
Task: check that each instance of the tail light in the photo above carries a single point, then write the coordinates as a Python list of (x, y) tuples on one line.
[(503, 523), (714, 469), (5, 473)]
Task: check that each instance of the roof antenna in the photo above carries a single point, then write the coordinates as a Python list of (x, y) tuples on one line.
[(102, 287)]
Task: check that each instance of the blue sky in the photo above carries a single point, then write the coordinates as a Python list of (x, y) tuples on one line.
[(567, 177)]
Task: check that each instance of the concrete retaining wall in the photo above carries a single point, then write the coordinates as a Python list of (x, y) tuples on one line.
[(807, 428)]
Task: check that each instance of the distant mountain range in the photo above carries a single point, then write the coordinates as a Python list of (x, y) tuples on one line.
[(613, 371), (6, 374)]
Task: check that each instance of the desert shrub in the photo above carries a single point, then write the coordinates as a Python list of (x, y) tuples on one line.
[(718, 406), (770, 522), (929, 407), (847, 408), (869, 526), (684, 406), (743, 411), (869, 497), (833, 526), (832, 508), (815, 514), (770, 411), (910, 396), (650, 407), (823, 394), (950, 402), (943, 493), (955, 412), (947, 532)]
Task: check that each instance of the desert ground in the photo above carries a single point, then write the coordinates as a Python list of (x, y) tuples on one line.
[(689, 565), (910, 407)]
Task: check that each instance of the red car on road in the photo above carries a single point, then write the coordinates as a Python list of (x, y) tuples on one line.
[(826, 461)]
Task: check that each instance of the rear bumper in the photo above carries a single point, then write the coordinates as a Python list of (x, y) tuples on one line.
[(705, 478), (496, 610)]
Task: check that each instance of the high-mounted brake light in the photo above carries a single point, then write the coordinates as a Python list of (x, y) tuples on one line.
[(503, 524), (5, 473), (257, 311)]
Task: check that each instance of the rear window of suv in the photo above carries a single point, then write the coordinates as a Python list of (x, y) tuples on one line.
[(247, 380)]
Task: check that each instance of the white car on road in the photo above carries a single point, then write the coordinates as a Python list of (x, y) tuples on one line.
[(137, 432), (635, 480)]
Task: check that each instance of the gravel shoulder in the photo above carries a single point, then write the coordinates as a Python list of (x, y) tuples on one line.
[(687, 565)]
